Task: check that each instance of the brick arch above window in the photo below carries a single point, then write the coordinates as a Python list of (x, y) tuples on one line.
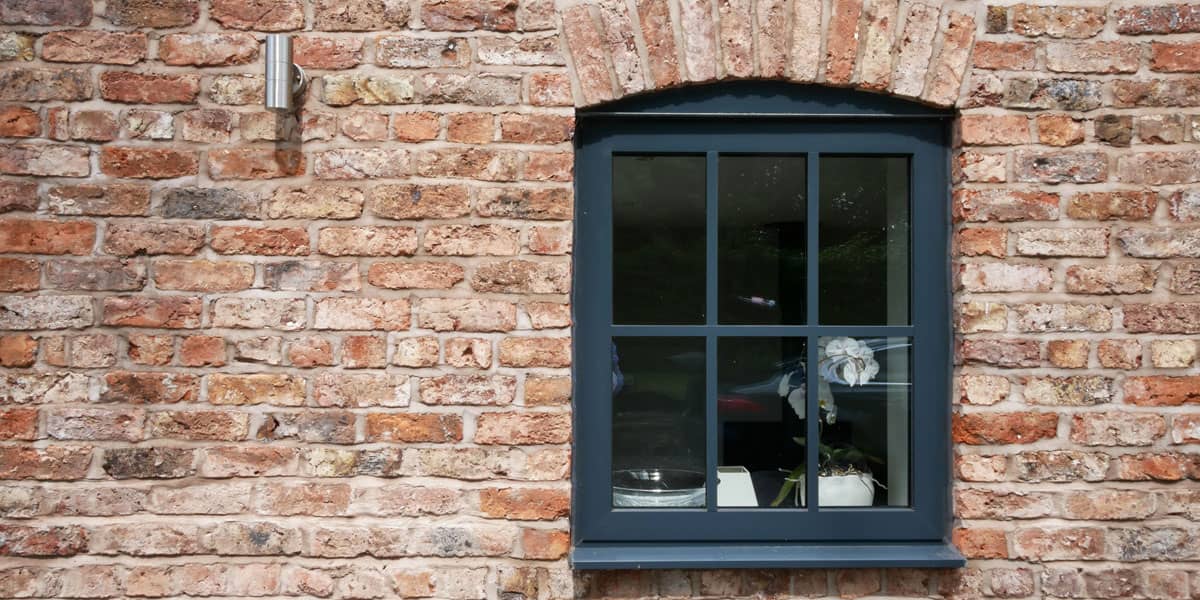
[(919, 51)]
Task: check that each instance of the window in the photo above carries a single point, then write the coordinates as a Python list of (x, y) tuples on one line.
[(762, 343)]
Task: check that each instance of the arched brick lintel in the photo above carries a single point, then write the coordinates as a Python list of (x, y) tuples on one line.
[(618, 48)]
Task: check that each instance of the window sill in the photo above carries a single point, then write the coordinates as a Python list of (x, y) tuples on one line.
[(596, 555)]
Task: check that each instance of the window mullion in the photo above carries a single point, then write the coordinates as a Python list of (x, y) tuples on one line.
[(812, 409), (710, 342)]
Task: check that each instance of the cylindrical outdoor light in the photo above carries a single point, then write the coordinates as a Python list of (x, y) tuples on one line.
[(284, 79)]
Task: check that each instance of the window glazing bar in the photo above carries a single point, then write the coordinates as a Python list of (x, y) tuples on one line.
[(710, 342), (812, 411)]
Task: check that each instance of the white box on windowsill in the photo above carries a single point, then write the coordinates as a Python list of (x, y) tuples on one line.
[(734, 487)]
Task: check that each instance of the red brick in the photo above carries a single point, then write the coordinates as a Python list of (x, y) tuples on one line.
[(149, 88), (1004, 428), (416, 126), (1005, 205), (364, 352), (107, 47), (42, 541), (36, 12), (842, 41), (976, 543), (1080, 543), (19, 275), (1005, 56), (203, 275), (414, 428), (44, 464), (267, 241), (359, 15), (983, 241), (1180, 57), (989, 130), (251, 163), (466, 15), (310, 352), (414, 275), (46, 237), (19, 121), (367, 241), (524, 504), (581, 36), (17, 350), (260, 15), (1162, 391), (1160, 18), (152, 13), (148, 163), (324, 53), (202, 351), (536, 129), (148, 237), (1057, 21), (523, 428), (535, 352), (207, 49), (168, 312), (470, 128), (18, 195), (128, 387), (542, 544), (308, 499), (18, 423)]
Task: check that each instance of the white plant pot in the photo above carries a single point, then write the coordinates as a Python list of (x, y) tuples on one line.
[(843, 490)]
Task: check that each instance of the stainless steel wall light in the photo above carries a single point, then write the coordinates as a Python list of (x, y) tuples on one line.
[(285, 80)]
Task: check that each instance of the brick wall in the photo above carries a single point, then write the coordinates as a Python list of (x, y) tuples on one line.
[(250, 355)]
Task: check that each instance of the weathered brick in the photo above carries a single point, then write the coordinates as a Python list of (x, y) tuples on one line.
[(138, 238), (1103, 206), (45, 160), (1111, 279), (1117, 429), (1005, 277), (128, 387), (522, 276), (420, 351), (1185, 279), (268, 241), (259, 15), (1163, 18), (167, 312), (1162, 391), (1119, 354), (116, 200), (152, 13), (1009, 353), (42, 85), (468, 390), (367, 241), (364, 352), (414, 428), (360, 389), (1004, 428), (466, 314), (19, 121), (286, 314), (203, 275), (1062, 242), (1005, 205), (362, 314), (19, 275), (253, 163), (1004, 56), (1057, 21), (414, 275), (535, 352), (202, 351), (1177, 317), (148, 462), (149, 88), (45, 312), (311, 276), (148, 163)]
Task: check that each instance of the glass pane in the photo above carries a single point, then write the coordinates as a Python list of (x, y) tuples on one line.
[(760, 411), (864, 390), (658, 422), (763, 231), (658, 240), (864, 239)]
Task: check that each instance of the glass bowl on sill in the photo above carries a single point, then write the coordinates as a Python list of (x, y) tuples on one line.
[(658, 488)]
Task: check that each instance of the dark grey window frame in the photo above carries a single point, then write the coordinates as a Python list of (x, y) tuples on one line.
[(763, 118)]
